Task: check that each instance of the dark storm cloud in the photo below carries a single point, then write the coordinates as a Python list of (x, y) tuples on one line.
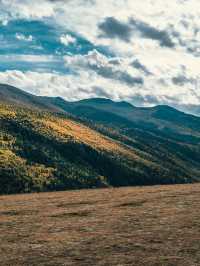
[(115, 61), (113, 28), (129, 80), (181, 80), (150, 32), (136, 64), (97, 91), (110, 73), (101, 92), (140, 100)]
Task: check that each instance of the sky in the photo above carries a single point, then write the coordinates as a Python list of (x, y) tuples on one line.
[(145, 52)]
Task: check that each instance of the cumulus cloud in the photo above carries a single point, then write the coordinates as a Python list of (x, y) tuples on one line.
[(148, 51), (69, 87), (102, 66), (67, 39), (22, 37), (25, 9), (28, 58), (88, 83)]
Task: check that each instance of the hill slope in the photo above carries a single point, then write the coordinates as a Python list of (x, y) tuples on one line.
[(12, 95), (160, 117), (40, 151), (50, 144)]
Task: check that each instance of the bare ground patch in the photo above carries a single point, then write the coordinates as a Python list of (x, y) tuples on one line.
[(128, 226)]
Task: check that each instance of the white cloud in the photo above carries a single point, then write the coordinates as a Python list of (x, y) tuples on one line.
[(67, 39), (25, 9), (90, 82), (96, 74), (113, 69), (4, 22), (28, 58), (22, 37), (180, 19)]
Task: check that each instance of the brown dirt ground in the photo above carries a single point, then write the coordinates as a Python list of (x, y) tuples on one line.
[(148, 226)]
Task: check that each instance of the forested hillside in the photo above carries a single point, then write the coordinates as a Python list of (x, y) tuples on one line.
[(48, 144)]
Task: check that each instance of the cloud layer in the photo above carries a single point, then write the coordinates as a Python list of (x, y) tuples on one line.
[(146, 52)]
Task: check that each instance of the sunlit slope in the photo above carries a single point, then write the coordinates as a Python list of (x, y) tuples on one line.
[(50, 144), (39, 151)]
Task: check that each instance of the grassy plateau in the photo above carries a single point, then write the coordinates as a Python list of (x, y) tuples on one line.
[(157, 225)]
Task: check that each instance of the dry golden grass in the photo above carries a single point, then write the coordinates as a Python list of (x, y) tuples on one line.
[(69, 129), (127, 226)]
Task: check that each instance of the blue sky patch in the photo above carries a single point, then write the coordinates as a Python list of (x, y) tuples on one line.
[(32, 37)]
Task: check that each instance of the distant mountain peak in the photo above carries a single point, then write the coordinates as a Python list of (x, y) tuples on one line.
[(105, 101), (165, 107), (96, 100), (124, 104)]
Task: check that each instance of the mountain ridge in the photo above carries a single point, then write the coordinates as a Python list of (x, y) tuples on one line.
[(42, 99), (50, 144)]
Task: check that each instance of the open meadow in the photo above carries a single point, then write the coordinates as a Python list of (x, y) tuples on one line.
[(157, 225)]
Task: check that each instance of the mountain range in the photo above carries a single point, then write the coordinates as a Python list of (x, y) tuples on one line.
[(47, 143)]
